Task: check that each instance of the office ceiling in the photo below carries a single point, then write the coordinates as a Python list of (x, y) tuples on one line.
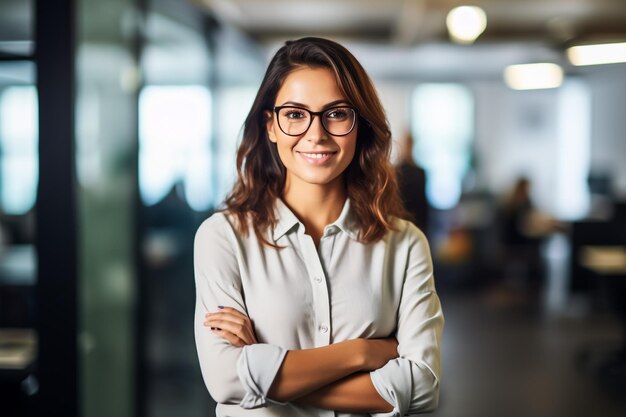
[(405, 22), (382, 33), (409, 22), (402, 22)]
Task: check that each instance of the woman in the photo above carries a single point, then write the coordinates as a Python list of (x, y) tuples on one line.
[(313, 297)]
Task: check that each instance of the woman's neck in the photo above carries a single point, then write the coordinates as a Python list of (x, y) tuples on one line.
[(316, 206)]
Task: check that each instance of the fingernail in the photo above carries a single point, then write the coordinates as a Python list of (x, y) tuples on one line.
[(220, 307)]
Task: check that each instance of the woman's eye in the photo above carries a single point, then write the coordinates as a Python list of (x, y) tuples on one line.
[(294, 115), (337, 114)]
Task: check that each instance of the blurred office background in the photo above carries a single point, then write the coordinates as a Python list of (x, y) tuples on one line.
[(119, 122)]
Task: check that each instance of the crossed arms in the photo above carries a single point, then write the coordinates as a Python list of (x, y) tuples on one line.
[(333, 377), (391, 376)]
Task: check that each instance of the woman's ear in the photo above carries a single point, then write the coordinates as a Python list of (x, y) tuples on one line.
[(269, 126)]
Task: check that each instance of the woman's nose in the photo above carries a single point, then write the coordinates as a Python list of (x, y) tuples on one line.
[(316, 131)]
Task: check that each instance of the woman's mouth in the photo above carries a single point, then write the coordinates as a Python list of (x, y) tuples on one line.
[(316, 158)]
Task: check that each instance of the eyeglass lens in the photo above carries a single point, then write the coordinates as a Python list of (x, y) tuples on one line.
[(337, 121)]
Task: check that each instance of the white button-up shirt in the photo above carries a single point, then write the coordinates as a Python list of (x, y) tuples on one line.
[(302, 297)]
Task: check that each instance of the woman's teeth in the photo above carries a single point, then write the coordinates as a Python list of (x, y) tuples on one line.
[(316, 155)]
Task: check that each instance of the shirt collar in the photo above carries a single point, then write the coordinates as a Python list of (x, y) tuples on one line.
[(345, 222), (286, 221)]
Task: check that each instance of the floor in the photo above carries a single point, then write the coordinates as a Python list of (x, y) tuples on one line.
[(504, 355)]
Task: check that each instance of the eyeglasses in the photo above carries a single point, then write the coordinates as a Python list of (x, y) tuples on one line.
[(336, 121)]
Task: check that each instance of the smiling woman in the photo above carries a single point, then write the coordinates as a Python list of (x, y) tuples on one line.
[(313, 295), (309, 152)]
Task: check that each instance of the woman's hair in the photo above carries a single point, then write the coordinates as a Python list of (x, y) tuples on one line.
[(370, 179)]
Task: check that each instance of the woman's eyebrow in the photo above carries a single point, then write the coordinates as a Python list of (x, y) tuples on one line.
[(326, 106)]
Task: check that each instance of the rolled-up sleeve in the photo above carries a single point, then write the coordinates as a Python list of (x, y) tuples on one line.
[(232, 375), (410, 383)]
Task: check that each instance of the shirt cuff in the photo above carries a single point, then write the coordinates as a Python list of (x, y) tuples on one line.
[(257, 367), (393, 383)]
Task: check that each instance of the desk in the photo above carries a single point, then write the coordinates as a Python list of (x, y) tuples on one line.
[(604, 260), (17, 349), (608, 263), (18, 341)]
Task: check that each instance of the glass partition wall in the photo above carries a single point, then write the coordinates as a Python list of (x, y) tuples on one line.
[(107, 81), (174, 156)]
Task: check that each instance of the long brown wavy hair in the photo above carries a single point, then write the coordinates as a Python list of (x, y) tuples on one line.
[(370, 178)]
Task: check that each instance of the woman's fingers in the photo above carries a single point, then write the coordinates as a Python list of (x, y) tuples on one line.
[(233, 322), (228, 319), (231, 338), (232, 311), (239, 330), (235, 319), (236, 339), (228, 313)]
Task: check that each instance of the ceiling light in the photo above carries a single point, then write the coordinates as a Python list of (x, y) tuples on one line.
[(533, 76), (466, 23), (608, 53)]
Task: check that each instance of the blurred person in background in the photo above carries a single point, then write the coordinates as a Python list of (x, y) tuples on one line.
[(312, 293), (523, 229), (412, 183)]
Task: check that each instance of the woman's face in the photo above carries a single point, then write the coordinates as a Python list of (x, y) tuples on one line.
[(314, 157)]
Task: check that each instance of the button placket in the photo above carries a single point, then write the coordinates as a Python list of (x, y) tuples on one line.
[(320, 291)]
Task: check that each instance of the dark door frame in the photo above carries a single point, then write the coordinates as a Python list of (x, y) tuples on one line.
[(56, 214)]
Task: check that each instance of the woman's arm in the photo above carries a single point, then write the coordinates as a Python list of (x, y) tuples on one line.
[(353, 394), (307, 370), (411, 382), (232, 374)]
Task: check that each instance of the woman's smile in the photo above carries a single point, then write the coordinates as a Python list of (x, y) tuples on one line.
[(316, 158)]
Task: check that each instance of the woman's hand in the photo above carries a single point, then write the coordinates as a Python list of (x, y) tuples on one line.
[(231, 325), (377, 352)]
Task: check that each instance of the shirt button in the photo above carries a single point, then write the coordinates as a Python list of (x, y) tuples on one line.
[(324, 328), (318, 279)]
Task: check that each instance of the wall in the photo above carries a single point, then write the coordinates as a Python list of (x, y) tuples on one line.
[(608, 96), (522, 132)]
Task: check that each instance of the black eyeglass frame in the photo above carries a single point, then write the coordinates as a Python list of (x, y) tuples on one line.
[(277, 109)]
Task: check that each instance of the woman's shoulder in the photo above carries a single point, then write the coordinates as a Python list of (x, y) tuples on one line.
[(215, 221), (219, 226), (405, 230), (408, 239)]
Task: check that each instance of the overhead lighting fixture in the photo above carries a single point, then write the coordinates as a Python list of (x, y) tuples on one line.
[(466, 23), (533, 76), (607, 53)]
